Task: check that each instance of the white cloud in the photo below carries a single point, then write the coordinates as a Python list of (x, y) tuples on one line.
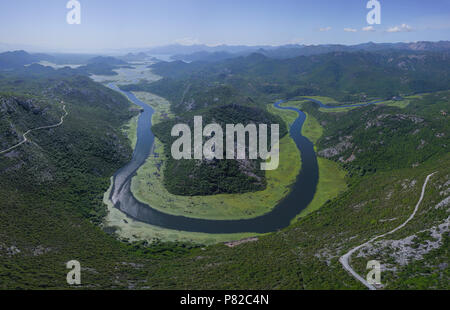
[(401, 28), (325, 29), (368, 28), (187, 41), (350, 30)]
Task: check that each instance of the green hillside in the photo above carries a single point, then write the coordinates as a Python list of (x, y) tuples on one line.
[(52, 187)]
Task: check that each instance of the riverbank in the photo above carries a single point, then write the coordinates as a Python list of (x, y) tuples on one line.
[(148, 187), (129, 229), (331, 175), (130, 129)]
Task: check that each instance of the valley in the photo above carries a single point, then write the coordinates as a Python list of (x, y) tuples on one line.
[(344, 178)]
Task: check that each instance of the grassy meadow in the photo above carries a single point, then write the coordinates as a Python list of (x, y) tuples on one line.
[(148, 185), (130, 230), (331, 175)]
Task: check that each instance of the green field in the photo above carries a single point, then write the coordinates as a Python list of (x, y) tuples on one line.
[(331, 175), (399, 104), (393, 103), (131, 230), (130, 130), (331, 184), (288, 116), (148, 186), (312, 129), (336, 110), (159, 104), (325, 100)]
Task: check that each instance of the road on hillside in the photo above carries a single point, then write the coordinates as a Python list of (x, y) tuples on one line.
[(345, 258), (39, 128)]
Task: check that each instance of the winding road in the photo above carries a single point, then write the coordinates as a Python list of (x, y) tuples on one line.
[(344, 260), (39, 128)]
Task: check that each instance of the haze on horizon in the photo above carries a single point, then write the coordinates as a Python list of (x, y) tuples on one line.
[(107, 25)]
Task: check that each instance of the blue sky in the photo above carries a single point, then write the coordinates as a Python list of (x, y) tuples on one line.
[(142, 23)]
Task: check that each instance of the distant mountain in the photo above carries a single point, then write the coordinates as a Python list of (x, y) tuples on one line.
[(430, 46), (204, 56), (136, 57), (221, 52), (104, 60), (414, 46), (17, 59), (343, 75), (94, 65), (308, 50), (177, 49)]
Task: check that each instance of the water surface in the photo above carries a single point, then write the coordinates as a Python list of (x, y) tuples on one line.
[(299, 198)]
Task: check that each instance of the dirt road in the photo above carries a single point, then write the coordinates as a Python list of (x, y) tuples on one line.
[(345, 258)]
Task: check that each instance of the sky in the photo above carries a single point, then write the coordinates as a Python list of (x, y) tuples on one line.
[(121, 24)]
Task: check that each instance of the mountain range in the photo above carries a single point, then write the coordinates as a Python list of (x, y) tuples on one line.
[(217, 53)]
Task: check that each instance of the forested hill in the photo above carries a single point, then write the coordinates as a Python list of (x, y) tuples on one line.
[(78, 156), (385, 137), (218, 53), (51, 189), (208, 177), (21, 60), (347, 76), (256, 80)]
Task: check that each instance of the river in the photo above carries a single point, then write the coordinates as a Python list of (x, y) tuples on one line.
[(299, 198)]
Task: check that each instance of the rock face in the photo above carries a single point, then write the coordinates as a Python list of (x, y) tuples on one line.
[(11, 105), (443, 203), (405, 250), (19, 114), (232, 244), (342, 146)]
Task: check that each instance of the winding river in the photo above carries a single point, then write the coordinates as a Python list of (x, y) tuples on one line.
[(299, 198)]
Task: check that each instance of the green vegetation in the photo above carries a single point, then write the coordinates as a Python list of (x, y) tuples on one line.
[(130, 130), (287, 116), (326, 100), (202, 177), (331, 175), (331, 184), (160, 105), (337, 110), (127, 75), (312, 129), (52, 189), (80, 155), (378, 140), (128, 230), (303, 256), (308, 251), (349, 77), (397, 103), (148, 185)]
